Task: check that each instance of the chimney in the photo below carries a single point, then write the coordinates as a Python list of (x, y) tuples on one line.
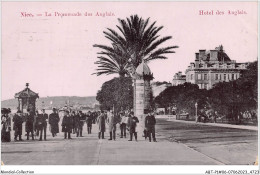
[(196, 56), (213, 55), (197, 64), (202, 54), (192, 65)]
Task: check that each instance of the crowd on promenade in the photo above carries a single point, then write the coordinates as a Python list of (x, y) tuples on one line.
[(73, 122)]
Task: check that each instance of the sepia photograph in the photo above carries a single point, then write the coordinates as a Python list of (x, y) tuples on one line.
[(129, 83)]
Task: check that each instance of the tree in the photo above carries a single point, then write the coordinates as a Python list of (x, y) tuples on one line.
[(136, 41), (228, 99), (184, 96), (117, 93), (250, 75), (231, 98)]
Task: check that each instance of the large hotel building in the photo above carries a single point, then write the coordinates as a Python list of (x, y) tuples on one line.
[(209, 68)]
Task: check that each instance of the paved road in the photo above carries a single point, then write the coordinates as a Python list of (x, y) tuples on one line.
[(178, 144), (226, 145)]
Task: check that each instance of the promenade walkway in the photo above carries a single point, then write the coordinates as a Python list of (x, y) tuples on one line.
[(179, 143), (88, 150)]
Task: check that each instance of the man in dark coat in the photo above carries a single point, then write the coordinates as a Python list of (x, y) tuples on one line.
[(54, 122), (132, 123), (89, 122), (101, 121), (77, 124), (82, 119), (67, 125), (42, 124), (36, 127), (18, 125), (94, 117), (29, 124), (73, 115), (150, 125)]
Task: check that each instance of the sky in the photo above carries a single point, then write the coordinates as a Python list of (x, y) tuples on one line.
[(56, 56)]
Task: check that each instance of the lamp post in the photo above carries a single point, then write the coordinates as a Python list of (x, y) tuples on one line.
[(196, 107)]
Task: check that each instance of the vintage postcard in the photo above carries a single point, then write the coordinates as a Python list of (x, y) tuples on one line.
[(129, 83)]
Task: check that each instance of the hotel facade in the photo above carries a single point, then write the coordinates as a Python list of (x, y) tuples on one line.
[(211, 67), (178, 78)]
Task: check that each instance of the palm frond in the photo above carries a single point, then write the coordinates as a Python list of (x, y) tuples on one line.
[(156, 43), (136, 40)]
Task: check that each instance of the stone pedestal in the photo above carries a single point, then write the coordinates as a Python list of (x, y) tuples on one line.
[(142, 93), (140, 100)]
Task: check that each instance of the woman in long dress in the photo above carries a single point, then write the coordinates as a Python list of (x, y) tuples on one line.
[(5, 125)]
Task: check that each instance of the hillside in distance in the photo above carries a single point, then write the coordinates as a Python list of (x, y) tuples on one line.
[(56, 101)]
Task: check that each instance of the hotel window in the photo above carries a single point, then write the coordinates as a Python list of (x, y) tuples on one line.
[(205, 77), (199, 76), (205, 86), (232, 77), (216, 77), (225, 76)]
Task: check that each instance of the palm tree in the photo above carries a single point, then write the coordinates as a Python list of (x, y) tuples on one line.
[(136, 41)]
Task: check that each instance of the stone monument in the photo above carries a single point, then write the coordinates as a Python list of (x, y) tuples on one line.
[(142, 91)]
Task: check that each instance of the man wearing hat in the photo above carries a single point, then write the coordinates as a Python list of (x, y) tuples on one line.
[(101, 121), (42, 124), (67, 125), (132, 123), (29, 124), (18, 125), (123, 123), (54, 122), (111, 121), (36, 127), (76, 122), (73, 116), (89, 121), (150, 125), (81, 124)]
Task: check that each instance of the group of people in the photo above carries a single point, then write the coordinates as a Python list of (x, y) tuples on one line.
[(36, 124), (73, 122), (127, 121), (209, 115)]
